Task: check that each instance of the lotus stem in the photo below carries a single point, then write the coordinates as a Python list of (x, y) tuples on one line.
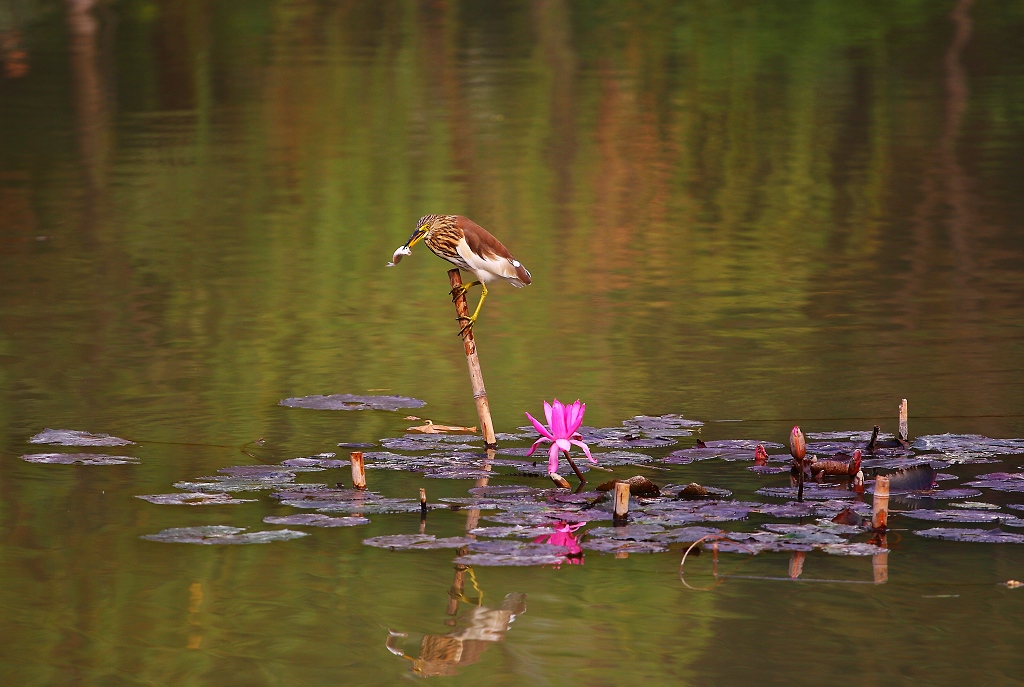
[(583, 480)]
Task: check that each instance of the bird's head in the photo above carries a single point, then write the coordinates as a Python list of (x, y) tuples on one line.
[(422, 227)]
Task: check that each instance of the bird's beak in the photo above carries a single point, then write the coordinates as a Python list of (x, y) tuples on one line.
[(416, 237)]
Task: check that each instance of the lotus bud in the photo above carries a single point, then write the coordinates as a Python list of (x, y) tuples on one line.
[(797, 444)]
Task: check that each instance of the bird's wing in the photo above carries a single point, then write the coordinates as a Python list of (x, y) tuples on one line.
[(484, 252)]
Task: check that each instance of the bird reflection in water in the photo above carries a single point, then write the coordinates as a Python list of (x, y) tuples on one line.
[(475, 631)]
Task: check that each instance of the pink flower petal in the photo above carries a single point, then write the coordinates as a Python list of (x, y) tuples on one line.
[(535, 445), (563, 445), (558, 420), (586, 449), (553, 458), (541, 429), (547, 412)]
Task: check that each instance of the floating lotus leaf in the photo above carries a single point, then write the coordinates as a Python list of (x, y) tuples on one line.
[(377, 506), (580, 497), (857, 549), (635, 532), (516, 548), (407, 542), (517, 531), (514, 490), (356, 444), (979, 505), (540, 468), (314, 520), (941, 494), (459, 502), (829, 448), (901, 463), (805, 534), (968, 444), (812, 492), (352, 402), (1002, 477), (623, 546), (684, 535), (635, 442), (323, 460), (945, 477), (964, 516), (686, 456), (657, 423), (197, 498), (997, 485), (221, 534), (526, 518), (767, 469), (74, 437), (217, 484), (760, 542), (79, 459), (684, 491), (741, 444), (316, 495), (792, 509), (1015, 506), (457, 473), (854, 435), (610, 459), (980, 536), (507, 560), (421, 442)]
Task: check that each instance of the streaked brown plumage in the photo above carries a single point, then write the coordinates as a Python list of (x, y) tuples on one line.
[(470, 247)]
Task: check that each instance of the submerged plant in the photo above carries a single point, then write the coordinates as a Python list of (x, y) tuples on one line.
[(561, 433)]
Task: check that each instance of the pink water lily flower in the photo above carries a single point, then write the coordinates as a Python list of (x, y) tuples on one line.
[(563, 536), (560, 432)]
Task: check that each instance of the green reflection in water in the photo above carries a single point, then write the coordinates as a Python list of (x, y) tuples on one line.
[(760, 211)]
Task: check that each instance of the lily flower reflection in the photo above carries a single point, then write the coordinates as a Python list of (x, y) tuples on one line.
[(560, 432), (445, 655), (563, 536)]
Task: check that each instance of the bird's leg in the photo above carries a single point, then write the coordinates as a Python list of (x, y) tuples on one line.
[(472, 318), (459, 290)]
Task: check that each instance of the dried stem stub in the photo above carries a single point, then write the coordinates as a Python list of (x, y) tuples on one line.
[(621, 511), (358, 470)]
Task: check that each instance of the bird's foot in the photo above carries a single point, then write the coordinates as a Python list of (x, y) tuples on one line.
[(470, 321), (462, 289)]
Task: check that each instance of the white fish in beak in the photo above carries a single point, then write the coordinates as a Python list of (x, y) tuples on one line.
[(400, 253)]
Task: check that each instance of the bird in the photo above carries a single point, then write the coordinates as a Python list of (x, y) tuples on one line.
[(470, 247)]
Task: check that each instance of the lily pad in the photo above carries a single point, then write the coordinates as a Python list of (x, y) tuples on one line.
[(635, 442), (995, 536), (79, 459), (508, 560), (314, 520), (605, 545), (634, 532), (352, 402), (684, 535), (73, 437), (807, 534), (516, 548), (656, 423), (322, 460), (852, 435), (968, 444), (857, 549), (518, 531), (196, 498), (964, 516), (221, 534), (507, 491), (812, 492), (978, 505), (422, 442), (218, 484), (767, 469), (457, 473), (408, 542)]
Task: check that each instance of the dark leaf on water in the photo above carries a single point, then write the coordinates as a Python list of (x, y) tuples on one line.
[(684, 535), (964, 516), (457, 473), (314, 520), (416, 444), (407, 542), (610, 459), (812, 492), (517, 548), (997, 485), (264, 472), (316, 495), (655, 423), (859, 436), (901, 463), (378, 506), (79, 459), (767, 469), (856, 549), (221, 534), (507, 560), (995, 536), (505, 491), (917, 478), (1002, 477), (829, 448), (517, 531), (237, 483), (356, 444), (977, 505), (810, 534), (941, 494), (353, 402), (543, 519), (605, 545), (73, 437), (635, 442), (635, 532), (741, 444), (968, 443), (194, 499), (323, 460)]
